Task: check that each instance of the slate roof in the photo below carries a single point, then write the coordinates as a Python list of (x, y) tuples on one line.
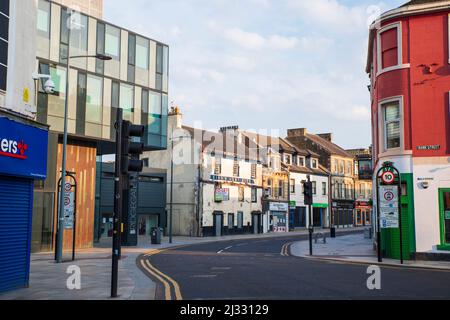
[(330, 147)]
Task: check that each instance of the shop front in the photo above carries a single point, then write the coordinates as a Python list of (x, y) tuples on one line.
[(279, 216), (343, 213), (363, 213), (320, 215), (23, 160)]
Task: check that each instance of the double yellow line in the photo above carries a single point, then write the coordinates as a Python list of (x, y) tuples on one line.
[(285, 249), (163, 278)]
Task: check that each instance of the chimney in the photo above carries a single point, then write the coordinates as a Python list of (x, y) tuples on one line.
[(326, 136), (175, 118), (297, 132)]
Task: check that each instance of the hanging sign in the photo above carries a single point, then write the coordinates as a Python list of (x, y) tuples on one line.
[(389, 217)]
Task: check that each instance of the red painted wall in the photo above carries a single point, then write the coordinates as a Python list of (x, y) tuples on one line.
[(426, 96)]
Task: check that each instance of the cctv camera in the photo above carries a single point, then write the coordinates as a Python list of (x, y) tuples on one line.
[(49, 86)]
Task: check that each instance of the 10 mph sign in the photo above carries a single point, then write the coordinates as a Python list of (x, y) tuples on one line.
[(388, 177)]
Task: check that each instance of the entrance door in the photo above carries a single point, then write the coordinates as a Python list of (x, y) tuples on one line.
[(317, 217), (146, 223), (106, 226), (444, 207), (256, 223), (218, 219)]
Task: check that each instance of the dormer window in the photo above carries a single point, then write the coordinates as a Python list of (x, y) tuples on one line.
[(301, 161), (314, 163)]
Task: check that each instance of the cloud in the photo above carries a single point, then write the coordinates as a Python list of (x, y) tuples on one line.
[(248, 40)]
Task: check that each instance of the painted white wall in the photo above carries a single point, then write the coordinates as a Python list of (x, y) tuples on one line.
[(426, 201), (21, 58)]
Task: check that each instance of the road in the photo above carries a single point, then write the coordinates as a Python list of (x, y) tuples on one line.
[(260, 269)]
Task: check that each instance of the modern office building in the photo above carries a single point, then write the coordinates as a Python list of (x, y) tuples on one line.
[(23, 142), (135, 80), (408, 64)]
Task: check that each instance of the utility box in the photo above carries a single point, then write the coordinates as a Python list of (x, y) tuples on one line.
[(156, 235)]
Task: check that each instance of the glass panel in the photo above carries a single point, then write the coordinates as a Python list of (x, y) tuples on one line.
[(127, 101), (155, 103), (142, 53), (56, 100), (154, 125), (393, 135), (391, 112), (112, 42), (94, 99), (159, 59), (4, 27), (42, 221), (79, 35), (43, 18), (4, 7)]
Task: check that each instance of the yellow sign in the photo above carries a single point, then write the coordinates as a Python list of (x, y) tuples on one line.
[(26, 95)]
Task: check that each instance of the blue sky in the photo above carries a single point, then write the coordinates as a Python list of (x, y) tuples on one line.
[(264, 64)]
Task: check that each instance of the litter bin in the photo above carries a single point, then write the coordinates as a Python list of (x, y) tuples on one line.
[(156, 235), (333, 232)]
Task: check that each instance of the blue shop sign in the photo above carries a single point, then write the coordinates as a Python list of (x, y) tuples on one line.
[(23, 150)]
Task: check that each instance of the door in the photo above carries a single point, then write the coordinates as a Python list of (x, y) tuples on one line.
[(218, 218), (106, 226), (16, 204), (256, 223), (317, 217), (146, 223), (444, 208)]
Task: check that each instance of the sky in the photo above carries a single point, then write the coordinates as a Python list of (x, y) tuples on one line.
[(264, 64)]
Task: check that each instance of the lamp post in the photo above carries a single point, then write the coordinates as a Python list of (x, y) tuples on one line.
[(59, 238)]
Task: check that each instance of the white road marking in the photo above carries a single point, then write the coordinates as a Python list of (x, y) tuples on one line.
[(205, 276)]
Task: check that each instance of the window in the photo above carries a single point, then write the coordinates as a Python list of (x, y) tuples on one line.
[(292, 185), (287, 159), (349, 167), (391, 113), (301, 161), (131, 57), (240, 220), (342, 167), (112, 42), (79, 35), (142, 53), (314, 187), (254, 195), (324, 188), (241, 194), (94, 99), (218, 166), (4, 36), (389, 47), (280, 188), (43, 19), (100, 64), (126, 101), (230, 220), (236, 169), (254, 173), (314, 163), (159, 66)]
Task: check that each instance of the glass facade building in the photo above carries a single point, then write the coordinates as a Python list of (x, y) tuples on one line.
[(135, 80)]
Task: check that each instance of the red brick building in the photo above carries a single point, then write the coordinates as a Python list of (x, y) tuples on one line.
[(409, 67)]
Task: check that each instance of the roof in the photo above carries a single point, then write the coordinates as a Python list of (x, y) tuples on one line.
[(298, 169), (278, 144), (416, 2), (330, 147), (224, 143)]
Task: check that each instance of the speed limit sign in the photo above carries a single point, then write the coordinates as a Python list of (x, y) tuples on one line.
[(388, 177)]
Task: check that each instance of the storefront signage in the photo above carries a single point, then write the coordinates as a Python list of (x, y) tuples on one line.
[(293, 204), (320, 205), (279, 222), (389, 217), (278, 206), (232, 179), (23, 150), (221, 194), (433, 147), (69, 206)]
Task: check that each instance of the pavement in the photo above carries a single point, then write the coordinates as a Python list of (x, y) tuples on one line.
[(356, 249)]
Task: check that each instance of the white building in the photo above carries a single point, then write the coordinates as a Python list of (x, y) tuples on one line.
[(217, 181)]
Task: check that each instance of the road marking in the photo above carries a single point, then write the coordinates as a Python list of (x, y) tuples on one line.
[(285, 249), (227, 248), (219, 252), (173, 282), (164, 282), (204, 276), (220, 268)]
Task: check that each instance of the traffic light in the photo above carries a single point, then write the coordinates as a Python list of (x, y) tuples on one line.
[(308, 192), (131, 150)]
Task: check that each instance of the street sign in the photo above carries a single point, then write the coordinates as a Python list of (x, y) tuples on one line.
[(389, 217), (388, 177), (69, 206)]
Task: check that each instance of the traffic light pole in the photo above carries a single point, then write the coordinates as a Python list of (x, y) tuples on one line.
[(117, 205), (311, 227)]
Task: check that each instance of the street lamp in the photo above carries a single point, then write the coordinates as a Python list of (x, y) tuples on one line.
[(59, 238), (171, 184)]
